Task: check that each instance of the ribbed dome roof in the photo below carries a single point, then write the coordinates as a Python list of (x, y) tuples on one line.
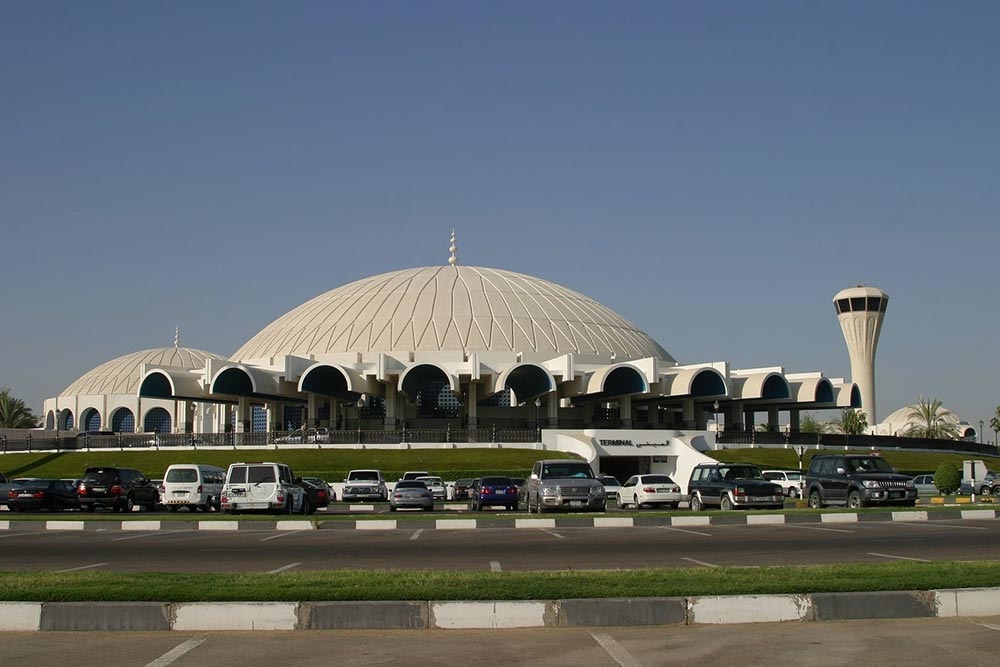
[(452, 308), (121, 375)]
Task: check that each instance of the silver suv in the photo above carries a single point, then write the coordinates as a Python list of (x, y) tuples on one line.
[(364, 485), (563, 484)]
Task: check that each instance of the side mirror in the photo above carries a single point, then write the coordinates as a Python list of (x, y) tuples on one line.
[(298, 480), (534, 476), (841, 471)]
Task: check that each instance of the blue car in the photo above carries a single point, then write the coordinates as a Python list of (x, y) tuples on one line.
[(493, 491)]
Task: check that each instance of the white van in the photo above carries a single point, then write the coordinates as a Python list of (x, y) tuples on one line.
[(192, 485), (263, 486)]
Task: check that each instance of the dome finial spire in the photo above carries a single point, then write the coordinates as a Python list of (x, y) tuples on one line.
[(177, 336), (453, 260)]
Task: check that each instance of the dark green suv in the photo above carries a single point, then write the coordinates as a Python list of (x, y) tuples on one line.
[(857, 480), (732, 486), (118, 489)]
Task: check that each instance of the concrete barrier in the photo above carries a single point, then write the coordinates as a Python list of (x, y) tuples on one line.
[(363, 615), (845, 517), (534, 523), (469, 615), (197, 616), (65, 525), (599, 612), (613, 522), (105, 616), (294, 525), (376, 524), (20, 616), (218, 525), (748, 609), (140, 525), (765, 519), (880, 604), (967, 602)]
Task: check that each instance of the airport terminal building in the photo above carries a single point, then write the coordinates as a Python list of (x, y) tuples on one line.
[(468, 350)]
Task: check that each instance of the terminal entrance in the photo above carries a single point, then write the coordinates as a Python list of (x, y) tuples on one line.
[(623, 467)]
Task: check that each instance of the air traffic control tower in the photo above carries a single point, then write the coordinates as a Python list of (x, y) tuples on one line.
[(861, 310)]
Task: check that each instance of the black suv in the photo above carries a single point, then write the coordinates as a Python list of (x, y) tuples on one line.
[(732, 486), (119, 489), (857, 480)]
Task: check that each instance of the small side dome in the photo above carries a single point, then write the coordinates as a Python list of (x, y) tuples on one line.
[(121, 375)]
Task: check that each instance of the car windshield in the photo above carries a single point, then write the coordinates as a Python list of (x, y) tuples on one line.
[(101, 477), (609, 481), (37, 484), (182, 475), (793, 475), (367, 475), (569, 469), (657, 479), (410, 484), (260, 474), (436, 481), (868, 464)]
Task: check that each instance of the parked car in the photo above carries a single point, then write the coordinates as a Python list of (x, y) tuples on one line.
[(563, 484), (118, 489), (364, 485), (307, 436), (732, 486), (611, 484), (53, 495), (491, 491), (857, 480), (413, 474), (925, 486), (192, 485), (460, 489), (653, 490), (436, 485), (317, 495), (791, 481), (264, 486), (411, 493), (322, 483)]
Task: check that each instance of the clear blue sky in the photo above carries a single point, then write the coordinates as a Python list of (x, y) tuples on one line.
[(714, 171)]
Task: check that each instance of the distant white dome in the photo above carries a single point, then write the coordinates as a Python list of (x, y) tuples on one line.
[(121, 376), (453, 308)]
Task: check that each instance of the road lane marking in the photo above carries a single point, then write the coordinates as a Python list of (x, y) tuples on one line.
[(552, 533), (22, 533), (920, 560), (274, 537), (416, 533), (156, 534), (170, 656), (991, 627), (615, 650), (699, 562), (827, 530), (82, 567), (283, 568), (494, 566), (684, 530), (928, 524)]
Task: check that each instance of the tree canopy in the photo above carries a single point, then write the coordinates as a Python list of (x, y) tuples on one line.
[(13, 412), (930, 419)]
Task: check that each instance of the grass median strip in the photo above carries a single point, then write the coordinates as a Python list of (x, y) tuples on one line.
[(355, 585)]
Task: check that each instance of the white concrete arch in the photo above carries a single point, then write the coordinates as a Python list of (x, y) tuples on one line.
[(620, 379), (413, 379)]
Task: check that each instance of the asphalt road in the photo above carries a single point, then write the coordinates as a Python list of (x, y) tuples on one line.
[(911, 642), (504, 549)]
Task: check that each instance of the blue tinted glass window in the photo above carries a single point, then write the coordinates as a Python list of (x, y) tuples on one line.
[(157, 421), (123, 421)]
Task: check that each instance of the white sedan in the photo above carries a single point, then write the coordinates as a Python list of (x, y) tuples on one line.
[(436, 486), (652, 489)]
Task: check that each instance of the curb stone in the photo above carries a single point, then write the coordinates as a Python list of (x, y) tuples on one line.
[(465, 522), (498, 614)]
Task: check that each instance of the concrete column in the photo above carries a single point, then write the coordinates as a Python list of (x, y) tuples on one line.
[(391, 405), (625, 411), (472, 407), (748, 420), (772, 418), (271, 408), (243, 424), (552, 409), (187, 425), (794, 420), (312, 410), (688, 416)]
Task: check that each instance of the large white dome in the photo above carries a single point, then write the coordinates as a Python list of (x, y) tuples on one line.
[(121, 376), (456, 309)]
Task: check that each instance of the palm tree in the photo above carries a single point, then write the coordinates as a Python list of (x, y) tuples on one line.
[(929, 419), (851, 422), (14, 413), (810, 425)]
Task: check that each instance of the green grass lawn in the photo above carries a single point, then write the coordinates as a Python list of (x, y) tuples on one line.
[(333, 464), (465, 585)]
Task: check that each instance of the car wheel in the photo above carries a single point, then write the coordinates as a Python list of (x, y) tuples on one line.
[(674, 506), (696, 505), (726, 503), (854, 500), (635, 501), (128, 505), (305, 509), (793, 493), (985, 491), (618, 501), (172, 509)]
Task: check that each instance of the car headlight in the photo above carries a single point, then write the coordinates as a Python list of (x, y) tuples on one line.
[(550, 489), (597, 491), (870, 484), (909, 484)]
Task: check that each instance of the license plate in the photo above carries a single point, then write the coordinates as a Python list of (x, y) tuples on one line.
[(24, 495), (663, 490), (99, 489), (180, 493), (761, 499), (575, 503)]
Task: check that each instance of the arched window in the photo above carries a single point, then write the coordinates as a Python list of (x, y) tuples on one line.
[(123, 421), (157, 421), (50, 421), (91, 420), (66, 417)]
